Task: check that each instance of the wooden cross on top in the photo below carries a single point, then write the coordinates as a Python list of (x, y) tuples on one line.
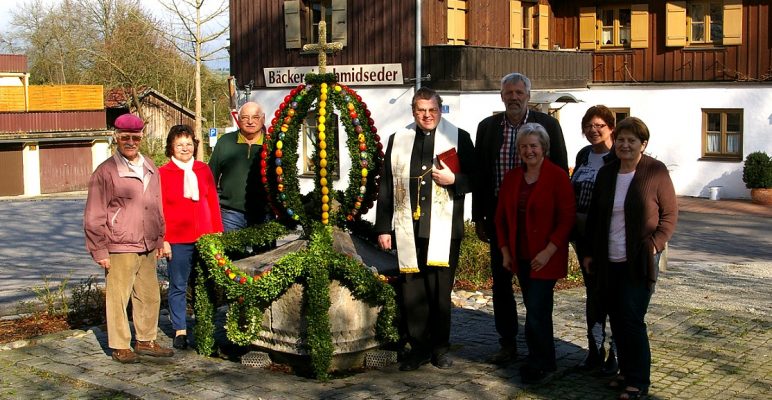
[(322, 47)]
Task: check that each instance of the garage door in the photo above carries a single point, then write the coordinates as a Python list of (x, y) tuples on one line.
[(11, 170), (64, 167)]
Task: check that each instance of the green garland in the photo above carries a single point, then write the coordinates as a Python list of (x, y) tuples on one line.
[(279, 156), (317, 265), (313, 267)]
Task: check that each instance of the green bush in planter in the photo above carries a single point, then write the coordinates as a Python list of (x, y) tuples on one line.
[(757, 173)]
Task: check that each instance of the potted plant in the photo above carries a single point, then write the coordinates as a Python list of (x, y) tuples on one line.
[(757, 175)]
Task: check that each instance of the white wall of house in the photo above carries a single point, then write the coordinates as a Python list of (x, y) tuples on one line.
[(673, 114)]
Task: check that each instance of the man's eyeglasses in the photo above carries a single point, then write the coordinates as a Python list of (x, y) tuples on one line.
[(247, 118), (426, 110), (596, 126), (126, 138)]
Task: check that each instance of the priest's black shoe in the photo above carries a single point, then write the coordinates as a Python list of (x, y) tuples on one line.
[(414, 361), (611, 366), (593, 360), (442, 361)]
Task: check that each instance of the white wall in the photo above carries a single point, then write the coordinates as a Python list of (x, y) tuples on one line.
[(100, 151), (11, 81), (30, 155), (674, 117)]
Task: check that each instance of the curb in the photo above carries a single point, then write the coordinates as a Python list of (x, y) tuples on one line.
[(51, 337)]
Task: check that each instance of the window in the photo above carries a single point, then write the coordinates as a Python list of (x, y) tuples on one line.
[(302, 17), (617, 27), (703, 23), (310, 141), (620, 113), (457, 23), (722, 134), (528, 25), (320, 11)]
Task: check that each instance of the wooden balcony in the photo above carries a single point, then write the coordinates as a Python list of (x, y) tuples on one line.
[(465, 68)]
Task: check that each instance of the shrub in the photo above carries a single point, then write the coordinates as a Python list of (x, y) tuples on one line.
[(757, 172), (474, 271)]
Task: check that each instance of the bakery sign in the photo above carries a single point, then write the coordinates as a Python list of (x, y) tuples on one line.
[(350, 75)]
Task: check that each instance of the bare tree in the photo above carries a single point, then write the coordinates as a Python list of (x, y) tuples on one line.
[(193, 40), (51, 37)]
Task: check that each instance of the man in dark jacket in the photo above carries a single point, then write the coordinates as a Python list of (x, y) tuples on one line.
[(496, 155), (235, 165)]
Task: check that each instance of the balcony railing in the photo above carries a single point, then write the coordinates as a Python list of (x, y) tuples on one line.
[(481, 68)]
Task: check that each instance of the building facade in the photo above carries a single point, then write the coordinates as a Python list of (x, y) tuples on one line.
[(51, 137), (699, 73)]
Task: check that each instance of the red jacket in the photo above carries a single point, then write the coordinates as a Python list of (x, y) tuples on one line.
[(551, 212), (188, 220)]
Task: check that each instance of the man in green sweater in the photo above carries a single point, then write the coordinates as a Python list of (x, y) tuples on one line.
[(235, 164)]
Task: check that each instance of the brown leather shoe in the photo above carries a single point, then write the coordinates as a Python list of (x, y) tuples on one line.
[(125, 356), (152, 348)]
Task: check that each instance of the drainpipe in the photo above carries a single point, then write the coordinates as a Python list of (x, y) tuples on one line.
[(417, 44)]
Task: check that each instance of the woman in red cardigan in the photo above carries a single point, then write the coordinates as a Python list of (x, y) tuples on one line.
[(535, 214), (191, 209)]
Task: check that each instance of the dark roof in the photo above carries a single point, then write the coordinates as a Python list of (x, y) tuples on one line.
[(119, 98)]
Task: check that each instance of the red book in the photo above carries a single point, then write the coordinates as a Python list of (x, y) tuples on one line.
[(450, 158)]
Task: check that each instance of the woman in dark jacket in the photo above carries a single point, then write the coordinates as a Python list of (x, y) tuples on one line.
[(534, 217), (632, 215), (597, 125)]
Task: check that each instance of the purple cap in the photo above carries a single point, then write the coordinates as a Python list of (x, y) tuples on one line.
[(129, 123)]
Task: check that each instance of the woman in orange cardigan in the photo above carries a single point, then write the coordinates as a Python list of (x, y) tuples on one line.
[(535, 214), (191, 209)]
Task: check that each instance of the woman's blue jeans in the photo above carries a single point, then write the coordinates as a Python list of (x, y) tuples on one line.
[(179, 272)]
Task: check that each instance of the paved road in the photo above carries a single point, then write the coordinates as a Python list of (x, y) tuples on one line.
[(39, 239)]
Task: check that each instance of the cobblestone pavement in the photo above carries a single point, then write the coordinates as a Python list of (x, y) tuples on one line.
[(710, 327)]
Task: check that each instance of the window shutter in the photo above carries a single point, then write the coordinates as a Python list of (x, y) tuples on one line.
[(544, 27), (515, 24), (675, 24), (457, 22), (339, 25), (639, 26), (733, 22), (587, 22), (292, 24)]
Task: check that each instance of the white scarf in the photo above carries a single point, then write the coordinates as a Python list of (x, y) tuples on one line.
[(190, 186), (446, 137)]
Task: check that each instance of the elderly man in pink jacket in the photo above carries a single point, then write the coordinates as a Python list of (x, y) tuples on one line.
[(124, 227)]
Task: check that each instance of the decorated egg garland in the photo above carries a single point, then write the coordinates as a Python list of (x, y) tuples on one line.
[(322, 94)]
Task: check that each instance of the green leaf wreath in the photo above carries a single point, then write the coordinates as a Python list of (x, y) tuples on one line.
[(315, 266)]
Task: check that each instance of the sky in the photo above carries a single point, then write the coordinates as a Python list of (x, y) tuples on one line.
[(8, 6)]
